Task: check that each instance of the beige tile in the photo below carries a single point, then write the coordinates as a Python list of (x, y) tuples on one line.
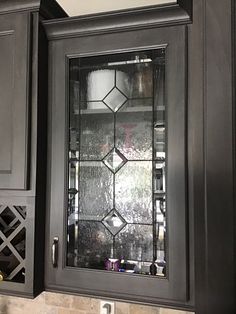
[(16, 302), (67, 311), (170, 311), (142, 309), (3, 305), (55, 303), (40, 299), (86, 304), (15, 310), (47, 309), (122, 308), (57, 299)]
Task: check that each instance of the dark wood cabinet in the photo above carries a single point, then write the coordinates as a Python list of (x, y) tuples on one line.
[(108, 73), (121, 125), (23, 125), (199, 96)]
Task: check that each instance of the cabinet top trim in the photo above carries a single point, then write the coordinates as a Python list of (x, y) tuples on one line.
[(110, 22), (48, 9)]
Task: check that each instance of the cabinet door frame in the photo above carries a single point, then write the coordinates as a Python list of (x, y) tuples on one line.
[(15, 111), (92, 282)]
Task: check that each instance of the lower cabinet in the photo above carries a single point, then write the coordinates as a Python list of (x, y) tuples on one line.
[(18, 255), (117, 223)]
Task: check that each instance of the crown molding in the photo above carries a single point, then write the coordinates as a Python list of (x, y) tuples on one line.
[(129, 19)]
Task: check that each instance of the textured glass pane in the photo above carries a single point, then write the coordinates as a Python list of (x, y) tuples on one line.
[(96, 191), (133, 192), (97, 131), (134, 129), (90, 244), (135, 242), (117, 163)]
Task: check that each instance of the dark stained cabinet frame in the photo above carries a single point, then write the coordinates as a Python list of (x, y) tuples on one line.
[(116, 33), (211, 99)]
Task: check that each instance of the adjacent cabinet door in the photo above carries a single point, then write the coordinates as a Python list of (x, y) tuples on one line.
[(14, 94), (117, 190)]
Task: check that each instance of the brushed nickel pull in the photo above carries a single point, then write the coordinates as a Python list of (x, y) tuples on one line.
[(55, 251)]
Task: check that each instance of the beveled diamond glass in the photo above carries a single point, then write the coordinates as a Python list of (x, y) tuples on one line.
[(114, 222), (115, 160), (115, 99)]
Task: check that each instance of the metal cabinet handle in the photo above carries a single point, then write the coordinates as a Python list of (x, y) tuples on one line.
[(55, 251), (2, 276)]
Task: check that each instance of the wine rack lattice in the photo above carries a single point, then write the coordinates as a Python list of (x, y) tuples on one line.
[(12, 242)]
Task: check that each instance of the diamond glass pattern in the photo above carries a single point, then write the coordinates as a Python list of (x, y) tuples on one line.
[(114, 222), (114, 160), (115, 99)]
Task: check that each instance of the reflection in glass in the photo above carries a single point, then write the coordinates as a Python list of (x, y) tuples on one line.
[(135, 242), (117, 163), (134, 129), (90, 246), (96, 190), (96, 133), (133, 186)]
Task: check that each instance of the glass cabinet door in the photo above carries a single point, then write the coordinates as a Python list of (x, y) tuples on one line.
[(117, 225), (117, 163)]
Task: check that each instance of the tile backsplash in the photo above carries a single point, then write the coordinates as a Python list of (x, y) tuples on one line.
[(55, 303)]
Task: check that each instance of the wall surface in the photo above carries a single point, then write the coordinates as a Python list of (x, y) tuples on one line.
[(53, 303), (79, 7)]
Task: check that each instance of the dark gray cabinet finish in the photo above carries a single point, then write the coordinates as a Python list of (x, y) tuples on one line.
[(212, 152), (97, 40), (23, 116), (200, 45), (209, 144), (14, 91)]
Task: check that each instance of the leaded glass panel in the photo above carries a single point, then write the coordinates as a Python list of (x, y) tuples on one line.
[(117, 163)]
